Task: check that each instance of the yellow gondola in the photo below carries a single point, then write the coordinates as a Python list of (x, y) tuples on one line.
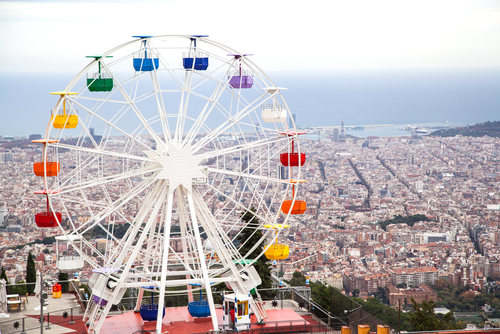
[(277, 251), (62, 118)]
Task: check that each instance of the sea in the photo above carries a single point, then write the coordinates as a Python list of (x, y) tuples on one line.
[(371, 98)]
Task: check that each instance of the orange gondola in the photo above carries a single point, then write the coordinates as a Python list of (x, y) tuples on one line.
[(292, 207)]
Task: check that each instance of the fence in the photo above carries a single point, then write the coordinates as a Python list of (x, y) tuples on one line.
[(280, 327), (23, 324)]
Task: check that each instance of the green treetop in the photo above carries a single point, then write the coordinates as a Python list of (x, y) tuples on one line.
[(248, 237), (31, 274)]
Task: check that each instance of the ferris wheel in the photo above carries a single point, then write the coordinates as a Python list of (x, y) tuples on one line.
[(152, 154)]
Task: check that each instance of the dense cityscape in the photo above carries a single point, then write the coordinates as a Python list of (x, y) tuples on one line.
[(451, 183)]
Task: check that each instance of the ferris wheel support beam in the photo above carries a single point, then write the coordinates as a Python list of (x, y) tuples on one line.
[(203, 265), (159, 193), (166, 244), (183, 226), (210, 223), (147, 259)]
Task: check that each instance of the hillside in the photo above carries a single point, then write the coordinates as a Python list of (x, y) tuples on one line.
[(491, 129)]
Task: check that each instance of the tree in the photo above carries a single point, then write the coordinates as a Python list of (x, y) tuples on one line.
[(49, 240), (380, 295), (355, 292), (297, 279), (3, 275), (248, 237), (31, 274), (423, 317), (63, 280)]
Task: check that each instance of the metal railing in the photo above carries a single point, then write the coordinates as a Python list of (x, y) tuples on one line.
[(344, 311), (23, 324), (280, 327)]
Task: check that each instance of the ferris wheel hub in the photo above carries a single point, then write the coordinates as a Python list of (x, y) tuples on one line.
[(181, 167)]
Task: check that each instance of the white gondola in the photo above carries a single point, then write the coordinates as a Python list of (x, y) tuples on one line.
[(274, 112), (69, 263)]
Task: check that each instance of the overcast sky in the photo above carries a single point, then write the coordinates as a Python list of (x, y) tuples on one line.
[(54, 36)]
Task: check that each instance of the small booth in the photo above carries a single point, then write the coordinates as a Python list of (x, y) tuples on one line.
[(236, 310), (277, 251), (99, 82), (57, 291), (65, 118), (240, 78), (70, 262), (294, 206), (145, 60), (47, 218)]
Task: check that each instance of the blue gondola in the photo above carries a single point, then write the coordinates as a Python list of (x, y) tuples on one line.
[(145, 62), (200, 62), (149, 312), (194, 60), (199, 308)]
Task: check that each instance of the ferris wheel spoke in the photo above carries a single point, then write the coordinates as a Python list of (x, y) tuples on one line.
[(109, 123), (205, 112), (104, 180), (139, 115), (160, 105), (245, 146), (264, 220), (215, 230), (110, 209), (250, 176), (102, 152), (252, 107), (183, 105)]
